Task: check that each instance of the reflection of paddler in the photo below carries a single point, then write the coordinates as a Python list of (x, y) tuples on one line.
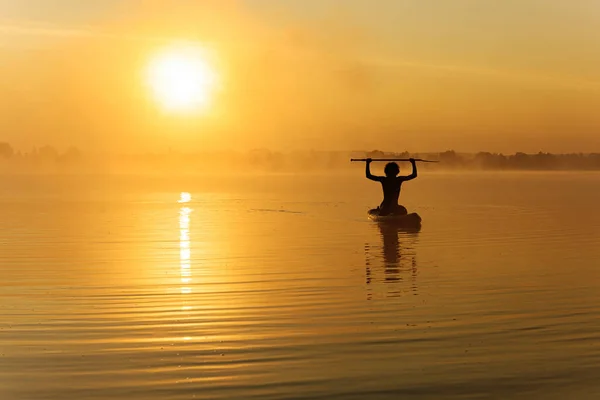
[(391, 243), (391, 251), (395, 259)]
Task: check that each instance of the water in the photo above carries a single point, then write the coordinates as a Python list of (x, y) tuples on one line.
[(277, 287)]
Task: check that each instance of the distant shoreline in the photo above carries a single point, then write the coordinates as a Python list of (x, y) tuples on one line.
[(48, 159)]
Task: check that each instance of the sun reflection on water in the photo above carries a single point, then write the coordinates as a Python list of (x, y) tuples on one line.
[(184, 243)]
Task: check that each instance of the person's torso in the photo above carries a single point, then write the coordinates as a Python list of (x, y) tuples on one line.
[(391, 189)]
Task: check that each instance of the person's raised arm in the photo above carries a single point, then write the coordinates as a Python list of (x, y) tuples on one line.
[(368, 172), (414, 171)]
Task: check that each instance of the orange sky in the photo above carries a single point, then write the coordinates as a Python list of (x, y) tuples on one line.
[(415, 75)]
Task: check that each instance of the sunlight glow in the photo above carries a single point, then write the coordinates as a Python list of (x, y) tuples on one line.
[(181, 78), (185, 197)]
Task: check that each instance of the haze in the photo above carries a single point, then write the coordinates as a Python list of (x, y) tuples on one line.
[(516, 75)]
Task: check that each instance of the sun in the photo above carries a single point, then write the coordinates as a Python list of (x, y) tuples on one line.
[(182, 79)]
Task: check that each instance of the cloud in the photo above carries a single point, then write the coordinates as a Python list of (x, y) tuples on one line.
[(567, 82), (31, 29), (36, 29)]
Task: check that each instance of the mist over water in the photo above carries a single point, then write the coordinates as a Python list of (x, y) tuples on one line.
[(49, 160), (275, 286)]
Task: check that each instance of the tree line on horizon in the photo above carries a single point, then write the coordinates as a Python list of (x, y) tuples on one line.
[(43, 154), (498, 161), (263, 159)]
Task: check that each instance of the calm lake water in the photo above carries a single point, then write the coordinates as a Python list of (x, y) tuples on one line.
[(278, 287)]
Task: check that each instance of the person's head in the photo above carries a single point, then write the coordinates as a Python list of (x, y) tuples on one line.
[(391, 169)]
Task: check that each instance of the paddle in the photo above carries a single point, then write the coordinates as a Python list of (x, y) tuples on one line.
[(390, 159)]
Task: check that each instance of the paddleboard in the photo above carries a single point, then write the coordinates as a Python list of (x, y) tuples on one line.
[(408, 220)]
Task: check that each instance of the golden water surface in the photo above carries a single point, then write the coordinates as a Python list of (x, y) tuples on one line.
[(278, 287)]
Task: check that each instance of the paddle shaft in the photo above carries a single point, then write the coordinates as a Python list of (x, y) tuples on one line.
[(390, 159)]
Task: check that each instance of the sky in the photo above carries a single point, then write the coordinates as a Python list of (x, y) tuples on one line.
[(416, 75)]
